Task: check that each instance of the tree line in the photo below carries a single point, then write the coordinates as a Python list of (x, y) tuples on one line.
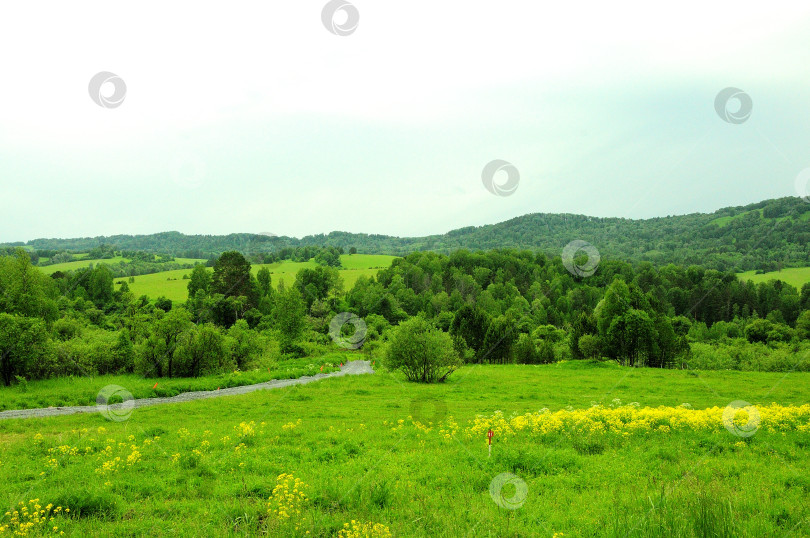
[(765, 236), (498, 306)]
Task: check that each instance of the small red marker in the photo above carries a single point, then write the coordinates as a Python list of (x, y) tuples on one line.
[(321, 368), (155, 386), (489, 442), (217, 388)]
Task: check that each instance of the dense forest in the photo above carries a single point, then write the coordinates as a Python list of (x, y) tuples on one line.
[(496, 306), (765, 236)]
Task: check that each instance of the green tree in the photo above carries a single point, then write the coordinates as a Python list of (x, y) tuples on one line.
[(757, 330), (499, 341), (421, 351), (163, 303), (201, 350), (290, 319), (803, 325), (200, 281), (469, 329), (317, 284), (525, 350), (630, 337), (243, 343), (265, 282), (583, 324), (232, 277), (101, 285), (162, 343), (23, 342), (24, 289), (328, 256), (589, 346)]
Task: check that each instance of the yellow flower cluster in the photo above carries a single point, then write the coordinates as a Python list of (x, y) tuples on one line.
[(450, 428), (113, 464), (364, 529), (632, 419), (291, 425), (32, 518), (246, 429), (287, 499)]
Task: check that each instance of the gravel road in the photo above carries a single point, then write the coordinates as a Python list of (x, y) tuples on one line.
[(350, 368)]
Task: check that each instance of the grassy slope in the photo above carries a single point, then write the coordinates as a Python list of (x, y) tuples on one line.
[(70, 266), (363, 459), (69, 391), (723, 221), (170, 284), (795, 276)]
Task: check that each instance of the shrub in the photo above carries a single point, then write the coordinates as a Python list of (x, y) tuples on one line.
[(589, 346), (423, 352), (546, 353), (525, 350)]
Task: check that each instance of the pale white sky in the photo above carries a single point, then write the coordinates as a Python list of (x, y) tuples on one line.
[(252, 116)]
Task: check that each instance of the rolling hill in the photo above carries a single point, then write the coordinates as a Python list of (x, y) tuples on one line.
[(767, 235)]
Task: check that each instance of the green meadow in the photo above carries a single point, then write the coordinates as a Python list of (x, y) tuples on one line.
[(795, 276), (376, 450), (79, 264), (171, 284), (73, 391)]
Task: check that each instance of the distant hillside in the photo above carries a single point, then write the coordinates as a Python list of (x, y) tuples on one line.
[(766, 235)]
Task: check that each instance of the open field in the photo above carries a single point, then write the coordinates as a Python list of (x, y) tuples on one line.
[(723, 221), (413, 458), (78, 264), (74, 391), (171, 284), (795, 276)]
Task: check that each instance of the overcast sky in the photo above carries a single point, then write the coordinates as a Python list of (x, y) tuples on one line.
[(254, 117)]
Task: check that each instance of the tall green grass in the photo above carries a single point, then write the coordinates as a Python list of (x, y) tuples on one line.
[(362, 458)]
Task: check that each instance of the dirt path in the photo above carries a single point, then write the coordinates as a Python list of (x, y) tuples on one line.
[(350, 368)]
